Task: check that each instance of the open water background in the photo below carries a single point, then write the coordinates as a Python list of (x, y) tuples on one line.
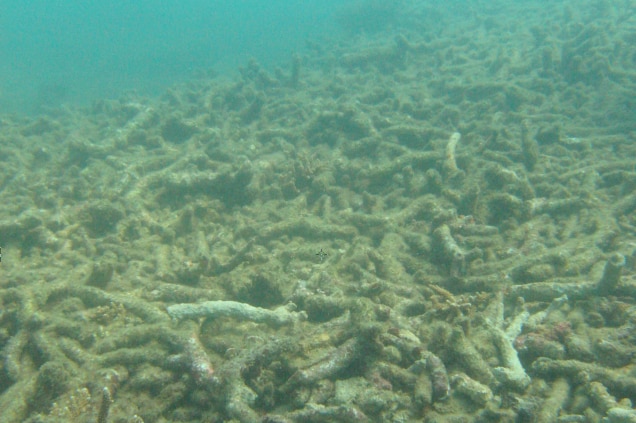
[(74, 51)]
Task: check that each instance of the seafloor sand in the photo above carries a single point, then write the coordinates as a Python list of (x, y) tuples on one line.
[(434, 225)]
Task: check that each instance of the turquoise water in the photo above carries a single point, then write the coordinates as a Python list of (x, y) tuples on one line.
[(76, 51)]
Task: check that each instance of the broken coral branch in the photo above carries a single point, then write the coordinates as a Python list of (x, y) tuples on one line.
[(280, 316)]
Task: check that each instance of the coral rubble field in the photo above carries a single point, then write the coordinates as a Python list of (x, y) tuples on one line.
[(433, 221)]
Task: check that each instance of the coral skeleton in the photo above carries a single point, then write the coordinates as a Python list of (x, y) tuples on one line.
[(283, 315), (451, 147)]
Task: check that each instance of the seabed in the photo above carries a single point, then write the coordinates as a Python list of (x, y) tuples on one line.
[(437, 225)]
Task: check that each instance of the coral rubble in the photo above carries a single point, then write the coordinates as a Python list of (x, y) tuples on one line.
[(317, 245)]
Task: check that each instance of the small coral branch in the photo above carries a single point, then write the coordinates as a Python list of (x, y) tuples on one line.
[(212, 309), (555, 401), (550, 290), (511, 374), (452, 253), (321, 413), (104, 407), (477, 392), (615, 380), (439, 377), (451, 146), (611, 274), (195, 359), (338, 360), (474, 364)]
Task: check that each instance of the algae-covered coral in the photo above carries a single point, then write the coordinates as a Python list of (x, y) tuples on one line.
[(421, 226)]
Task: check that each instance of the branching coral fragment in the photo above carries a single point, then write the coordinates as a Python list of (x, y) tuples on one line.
[(280, 316)]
